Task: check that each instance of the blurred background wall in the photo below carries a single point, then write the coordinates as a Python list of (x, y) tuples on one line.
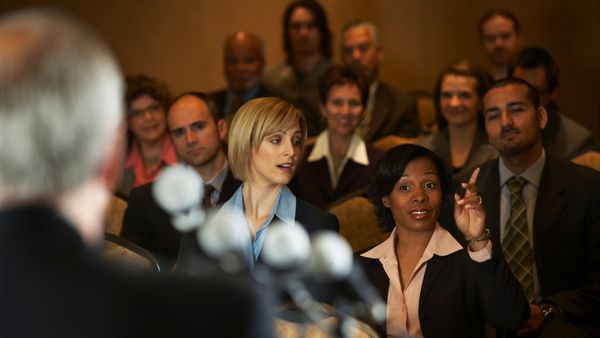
[(180, 41)]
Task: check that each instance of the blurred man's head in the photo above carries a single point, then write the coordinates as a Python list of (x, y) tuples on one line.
[(60, 104), (305, 29), (536, 66), (361, 46), (243, 61), (500, 36)]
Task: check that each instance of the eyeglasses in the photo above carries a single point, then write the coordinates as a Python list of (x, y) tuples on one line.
[(153, 109)]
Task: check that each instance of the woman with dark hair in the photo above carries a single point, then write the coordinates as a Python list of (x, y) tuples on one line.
[(434, 287), (149, 146), (340, 162), (461, 139)]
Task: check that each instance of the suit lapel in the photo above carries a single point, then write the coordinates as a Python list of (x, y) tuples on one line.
[(434, 267), (380, 110)]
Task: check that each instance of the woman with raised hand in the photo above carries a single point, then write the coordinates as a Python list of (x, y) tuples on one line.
[(434, 286)]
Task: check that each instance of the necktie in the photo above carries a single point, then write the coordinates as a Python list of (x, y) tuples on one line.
[(207, 199), (515, 243)]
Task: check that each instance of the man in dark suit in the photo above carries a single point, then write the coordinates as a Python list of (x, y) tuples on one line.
[(388, 111), (54, 188), (243, 62), (198, 134), (549, 222)]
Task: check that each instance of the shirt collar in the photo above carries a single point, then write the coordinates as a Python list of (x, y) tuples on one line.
[(285, 206), (533, 174), (247, 95), (357, 151), (167, 154), (440, 244)]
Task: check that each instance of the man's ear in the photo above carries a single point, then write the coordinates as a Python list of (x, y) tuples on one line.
[(223, 129), (542, 116), (111, 167)]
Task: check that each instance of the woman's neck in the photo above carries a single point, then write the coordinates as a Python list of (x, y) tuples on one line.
[(338, 145), (151, 152), (461, 139), (411, 243), (259, 201)]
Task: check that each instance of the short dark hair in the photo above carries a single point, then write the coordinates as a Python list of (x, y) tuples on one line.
[(499, 12), (534, 57), (212, 107), (460, 68), (140, 85), (320, 18), (389, 170), (532, 94), (343, 75)]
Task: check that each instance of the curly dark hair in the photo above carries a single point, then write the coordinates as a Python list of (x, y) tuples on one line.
[(321, 20), (389, 170)]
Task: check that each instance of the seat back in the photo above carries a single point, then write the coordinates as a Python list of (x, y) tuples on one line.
[(358, 223), (125, 251), (114, 215)]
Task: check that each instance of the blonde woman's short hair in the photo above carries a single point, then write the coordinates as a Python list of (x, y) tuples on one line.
[(254, 121)]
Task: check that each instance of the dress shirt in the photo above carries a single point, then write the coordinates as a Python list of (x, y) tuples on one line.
[(403, 304), (230, 99), (357, 152), (533, 175), (284, 210), (217, 183), (135, 162)]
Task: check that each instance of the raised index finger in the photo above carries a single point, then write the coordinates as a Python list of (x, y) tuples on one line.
[(474, 175), (471, 187)]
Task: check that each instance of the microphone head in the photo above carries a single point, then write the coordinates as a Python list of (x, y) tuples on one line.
[(178, 189), (330, 257), (225, 232), (285, 245)]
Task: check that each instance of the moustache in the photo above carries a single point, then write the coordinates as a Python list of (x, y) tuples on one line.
[(508, 129)]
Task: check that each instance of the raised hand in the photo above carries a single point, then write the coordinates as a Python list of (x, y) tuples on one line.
[(469, 212)]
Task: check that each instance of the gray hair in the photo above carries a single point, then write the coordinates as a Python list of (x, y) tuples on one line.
[(364, 24), (60, 104)]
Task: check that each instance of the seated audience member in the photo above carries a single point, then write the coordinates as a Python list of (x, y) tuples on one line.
[(243, 62), (307, 45), (545, 214), (434, 287), (54, 72), (197, 133), (149, 146), (461, 140), (562, 137), (500, 36), (266, 140), (388, 111), (340, 162)]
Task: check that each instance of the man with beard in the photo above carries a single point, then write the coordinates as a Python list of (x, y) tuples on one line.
[(500, 36), (388, 111), (545, 214), (197, 133)]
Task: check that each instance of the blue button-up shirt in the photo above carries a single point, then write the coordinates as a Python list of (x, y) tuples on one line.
[(284, 210)]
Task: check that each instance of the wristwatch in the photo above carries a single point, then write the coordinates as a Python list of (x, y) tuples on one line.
[(549, 311)]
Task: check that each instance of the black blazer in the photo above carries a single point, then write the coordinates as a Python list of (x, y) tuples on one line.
[(192, 260), (219, 97), (148, 225), (459, 295), (312, 182), (51, 285), (566, 234)]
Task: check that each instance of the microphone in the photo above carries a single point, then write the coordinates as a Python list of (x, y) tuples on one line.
[(178, 189), (331, 259)]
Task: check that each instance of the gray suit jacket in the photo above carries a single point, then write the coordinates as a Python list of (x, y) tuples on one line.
[(565, 138)]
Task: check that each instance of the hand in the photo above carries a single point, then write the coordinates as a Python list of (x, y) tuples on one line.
[(535, 321), (469, 212)]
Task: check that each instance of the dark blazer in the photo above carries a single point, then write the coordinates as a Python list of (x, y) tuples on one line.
[(148, 225), (311, 182), (51, 285), (459, 295), (566, 234), (563, 137), (219, 97), (192, 260), (394, 113)]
